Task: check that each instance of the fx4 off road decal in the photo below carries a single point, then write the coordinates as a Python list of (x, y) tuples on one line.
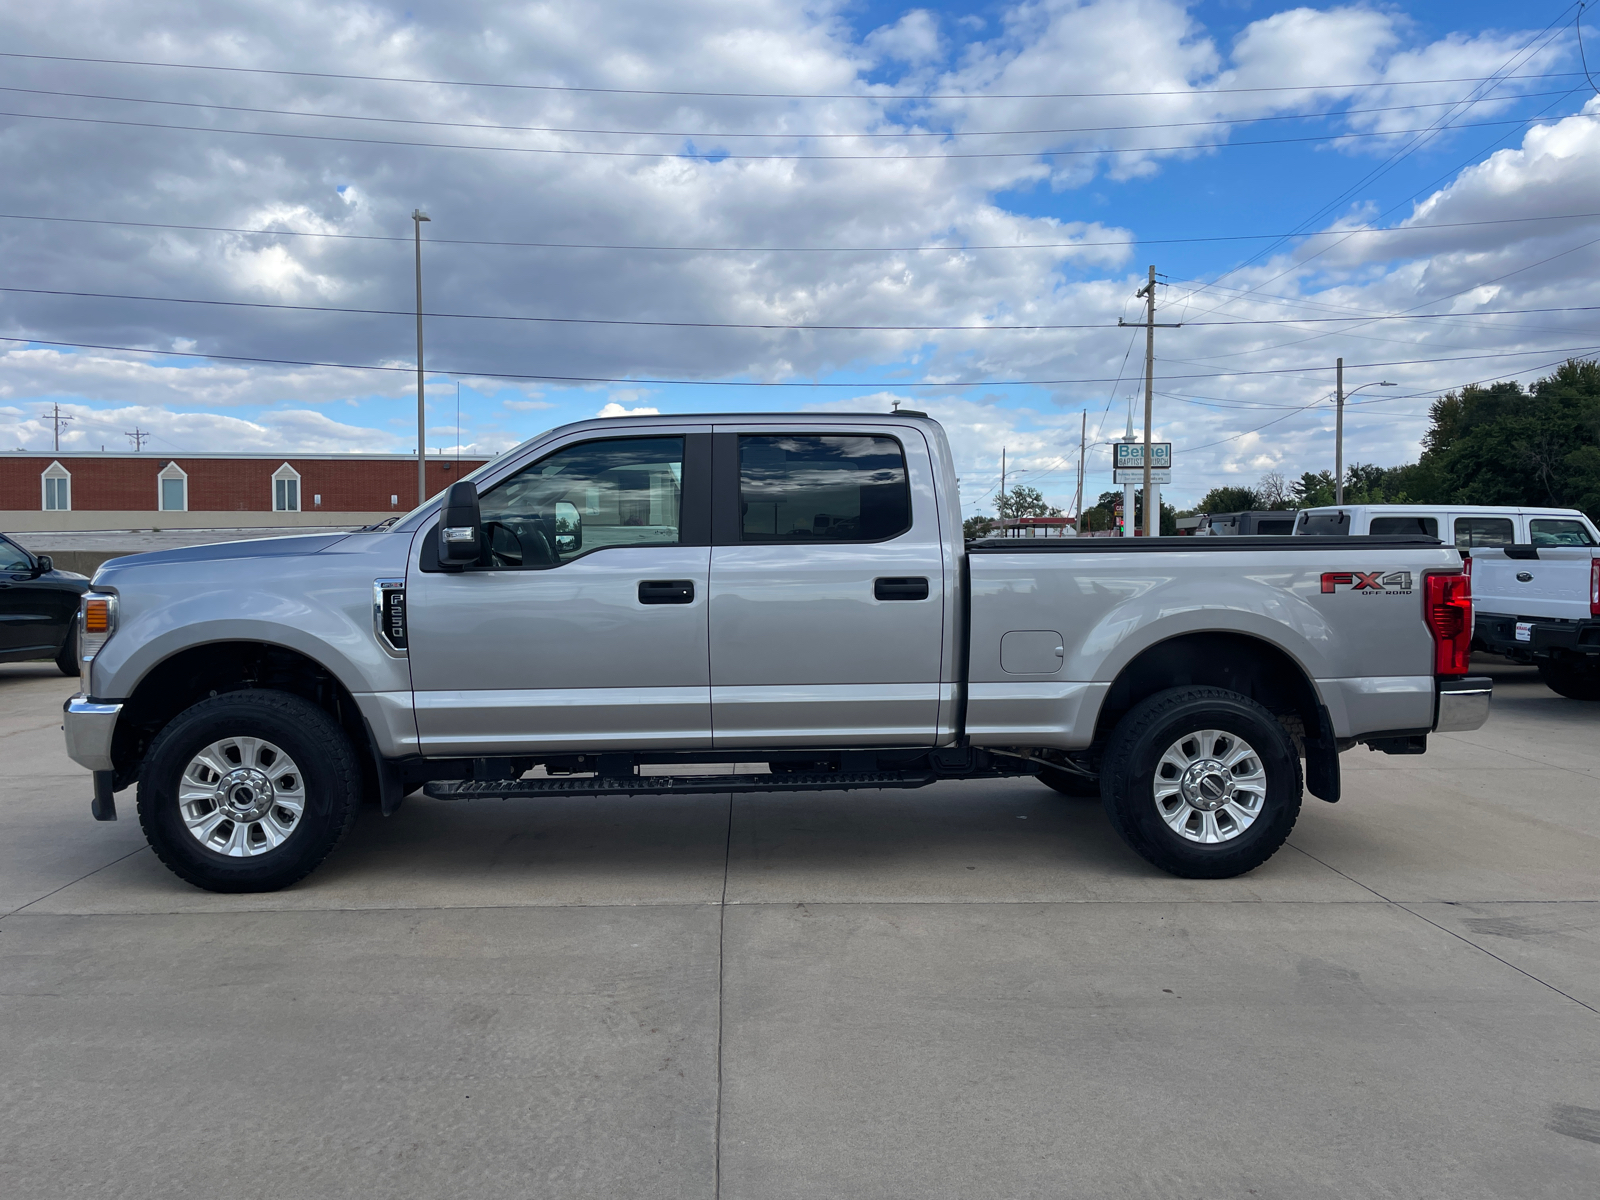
[(1373, 583)]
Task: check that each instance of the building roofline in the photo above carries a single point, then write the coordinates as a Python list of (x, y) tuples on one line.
[(280, 456)]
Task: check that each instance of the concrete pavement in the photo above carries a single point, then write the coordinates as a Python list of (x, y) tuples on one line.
[(969, 991)]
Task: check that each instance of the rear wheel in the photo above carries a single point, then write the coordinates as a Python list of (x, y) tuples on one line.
[(248, 791), (1574, 678), (1202, 782)]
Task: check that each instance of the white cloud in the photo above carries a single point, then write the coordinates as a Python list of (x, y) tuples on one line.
[(614, 409)]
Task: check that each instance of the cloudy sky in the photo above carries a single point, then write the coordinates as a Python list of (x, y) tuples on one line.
[(770, 205)]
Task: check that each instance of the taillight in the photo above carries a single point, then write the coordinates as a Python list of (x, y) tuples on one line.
[(1594, 587), (1447, 608)]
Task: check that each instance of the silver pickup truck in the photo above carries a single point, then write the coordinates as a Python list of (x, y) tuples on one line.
[(618, 596)]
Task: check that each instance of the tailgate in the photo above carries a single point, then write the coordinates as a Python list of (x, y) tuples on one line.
[(1533, 581)]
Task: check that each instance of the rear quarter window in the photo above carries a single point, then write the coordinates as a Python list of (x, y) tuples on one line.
[(1425, 526), (1324, 524), (1471, 532)]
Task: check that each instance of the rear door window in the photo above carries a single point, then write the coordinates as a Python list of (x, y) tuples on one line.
[(1426, 526), (1324, 523), (804, 488), (1555, 531), (1473, 532), (1282, 525)]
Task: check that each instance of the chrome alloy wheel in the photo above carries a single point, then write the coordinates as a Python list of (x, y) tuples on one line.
[(241, 796), (1210, 786)]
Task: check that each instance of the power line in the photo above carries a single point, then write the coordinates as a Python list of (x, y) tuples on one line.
[(1407, 315), (789, 135), (1444, 122), (873, 96), (876, 385), (713, 157), (956, 249)]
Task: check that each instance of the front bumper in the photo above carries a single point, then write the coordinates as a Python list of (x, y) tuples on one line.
[(1463, 703), (89, 726)]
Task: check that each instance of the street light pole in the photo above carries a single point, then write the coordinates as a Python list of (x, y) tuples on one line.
[(417, 218), (1338, 427)]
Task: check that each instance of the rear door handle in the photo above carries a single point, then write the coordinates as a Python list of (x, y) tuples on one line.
[(895, 587), (666, 591)]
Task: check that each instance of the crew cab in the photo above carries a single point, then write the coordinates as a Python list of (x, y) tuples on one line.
[(620, 596)]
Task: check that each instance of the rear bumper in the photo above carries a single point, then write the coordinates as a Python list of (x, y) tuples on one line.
[(1497, 633), (1463, 704), (89, 726)]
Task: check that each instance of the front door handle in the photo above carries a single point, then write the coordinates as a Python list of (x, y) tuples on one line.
[(894, 587), (666, 591)]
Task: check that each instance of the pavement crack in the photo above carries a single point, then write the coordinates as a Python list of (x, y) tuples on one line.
[(1446, 929), (722, 925), (70, 882)]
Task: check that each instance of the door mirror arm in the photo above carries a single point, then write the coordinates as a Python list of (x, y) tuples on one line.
[(460, 527)]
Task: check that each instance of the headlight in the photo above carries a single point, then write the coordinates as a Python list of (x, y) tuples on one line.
[(97, 621)]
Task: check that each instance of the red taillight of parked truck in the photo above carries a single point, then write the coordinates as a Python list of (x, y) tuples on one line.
[(1594, 588), (1447, 608)]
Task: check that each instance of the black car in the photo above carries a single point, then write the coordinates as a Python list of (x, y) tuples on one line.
[(38, 608)]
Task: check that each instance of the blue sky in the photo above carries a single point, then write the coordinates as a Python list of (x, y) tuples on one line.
[(1238, 400)]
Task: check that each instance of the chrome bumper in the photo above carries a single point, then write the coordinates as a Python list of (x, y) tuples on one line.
[(89, 726), (1463, 704)]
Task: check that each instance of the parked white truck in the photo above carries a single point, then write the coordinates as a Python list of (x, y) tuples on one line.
[(782, 589)]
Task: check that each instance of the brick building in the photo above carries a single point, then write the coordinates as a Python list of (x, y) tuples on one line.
[(50, 491)]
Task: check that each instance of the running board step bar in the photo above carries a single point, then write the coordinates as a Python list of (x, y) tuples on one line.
[(674, 785)]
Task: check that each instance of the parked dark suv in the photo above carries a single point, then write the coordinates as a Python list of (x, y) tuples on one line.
[(38, 608)]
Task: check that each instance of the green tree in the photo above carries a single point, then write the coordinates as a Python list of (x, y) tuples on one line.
[(1024, 501), (1228, 499), (974, 528), (1312, 490)]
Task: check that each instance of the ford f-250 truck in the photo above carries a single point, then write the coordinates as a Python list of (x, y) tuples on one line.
[(793, 590)]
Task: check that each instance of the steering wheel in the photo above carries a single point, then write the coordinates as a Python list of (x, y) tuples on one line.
[(518, 544)]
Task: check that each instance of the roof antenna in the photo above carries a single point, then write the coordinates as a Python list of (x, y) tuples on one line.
[(896, 404)]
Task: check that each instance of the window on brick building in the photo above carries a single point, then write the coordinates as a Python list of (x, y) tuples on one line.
[(173, 488), (286, 489), (57, 489)]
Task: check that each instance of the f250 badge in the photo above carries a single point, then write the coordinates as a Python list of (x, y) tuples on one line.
[(1373, 583)]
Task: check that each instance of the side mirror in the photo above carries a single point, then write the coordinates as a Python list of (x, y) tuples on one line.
[(460, 526), (45, 563), (569, 527)]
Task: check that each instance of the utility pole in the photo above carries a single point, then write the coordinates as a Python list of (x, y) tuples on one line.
[(1077, 504), (417, 218), (1338, 433), (1152, 503), (57, 421), (1000, 504), (137, 437), (1338, 426)]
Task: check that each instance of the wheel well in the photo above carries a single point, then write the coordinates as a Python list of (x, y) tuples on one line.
[(198, 672), (1235, 661)]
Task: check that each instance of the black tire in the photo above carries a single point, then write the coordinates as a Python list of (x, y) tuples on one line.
[(67, 656), (1080, 787), (1128, 780), (1576, 679), (331, 786)]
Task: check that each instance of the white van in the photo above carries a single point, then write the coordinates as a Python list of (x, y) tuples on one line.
[(1464, 526)]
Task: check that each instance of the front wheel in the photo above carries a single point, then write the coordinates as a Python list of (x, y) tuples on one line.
[(67, 656), (1576, 679), (248, 791), (1202, 782)]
